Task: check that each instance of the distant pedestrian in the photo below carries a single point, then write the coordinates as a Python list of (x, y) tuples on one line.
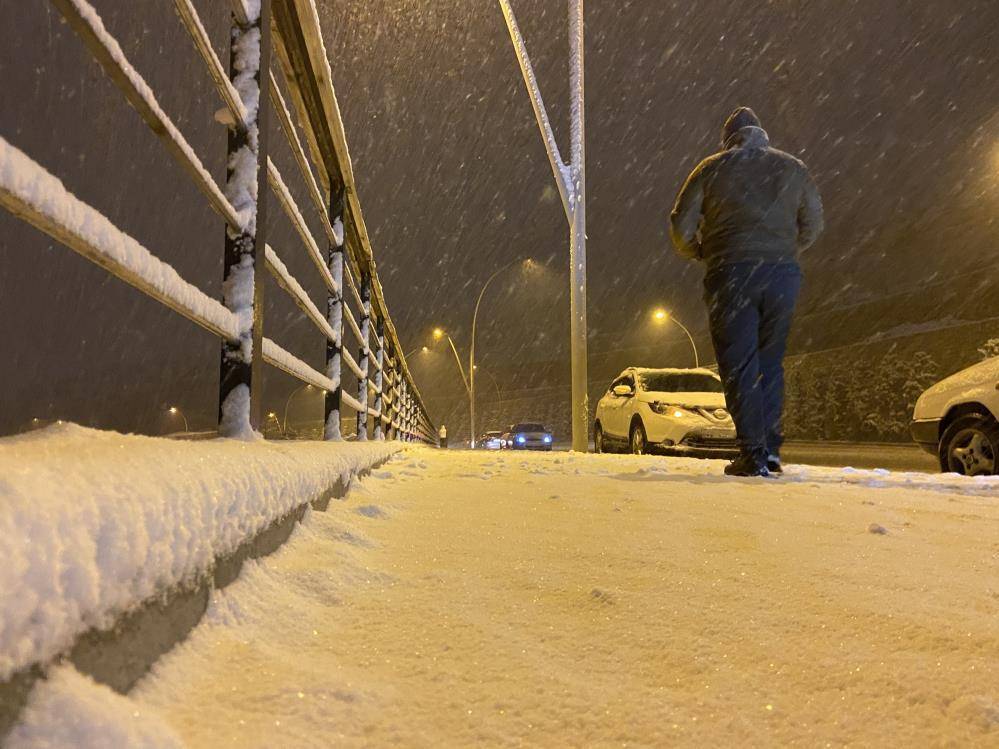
[(746, 213), (442, 433)]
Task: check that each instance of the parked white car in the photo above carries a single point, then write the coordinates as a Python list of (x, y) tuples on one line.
[(665, 410), (958, 420)]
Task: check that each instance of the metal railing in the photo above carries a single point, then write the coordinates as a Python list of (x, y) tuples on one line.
[(387, 401)]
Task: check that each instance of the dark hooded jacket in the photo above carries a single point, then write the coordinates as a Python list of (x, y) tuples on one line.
[(750, 202)]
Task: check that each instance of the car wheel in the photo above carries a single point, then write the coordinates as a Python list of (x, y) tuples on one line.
[(970, 446), (638, 439), (598, 438)]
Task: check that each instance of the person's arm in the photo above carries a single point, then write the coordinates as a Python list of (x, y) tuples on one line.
[(685, 219), (810, 218)]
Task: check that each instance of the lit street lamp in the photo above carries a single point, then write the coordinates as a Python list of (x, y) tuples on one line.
[(661, 316), (175, 411), (287, 403), (421, 350), (527, 264), (441, 333), (272, 415)]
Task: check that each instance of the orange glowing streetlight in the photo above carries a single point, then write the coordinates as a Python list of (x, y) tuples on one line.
[(174, 411), (661, 317), (441, 333)]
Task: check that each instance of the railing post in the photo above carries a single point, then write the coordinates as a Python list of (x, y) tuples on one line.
[(403, 412), (246, 188), (362, 359), (396, 378), (387, 381), (379, 375), (334, 315), (412, 418)]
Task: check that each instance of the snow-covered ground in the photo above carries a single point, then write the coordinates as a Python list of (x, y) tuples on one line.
[(93, 523), (459, 599)]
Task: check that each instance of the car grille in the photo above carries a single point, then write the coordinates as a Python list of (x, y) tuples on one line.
[(708, 441)]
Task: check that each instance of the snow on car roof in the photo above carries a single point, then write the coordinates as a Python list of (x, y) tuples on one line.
[(669, 370)]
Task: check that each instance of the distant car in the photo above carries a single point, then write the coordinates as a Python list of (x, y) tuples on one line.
[(679, 411), (491, 441), (958, 420), (527, 436)]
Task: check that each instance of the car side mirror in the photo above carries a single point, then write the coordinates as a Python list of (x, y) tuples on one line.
[(622, 391)]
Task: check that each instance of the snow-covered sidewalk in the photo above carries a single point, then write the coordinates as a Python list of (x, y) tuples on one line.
[(93, 523), (459, 599)]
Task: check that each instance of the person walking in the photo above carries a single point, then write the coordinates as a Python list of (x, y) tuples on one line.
[(747, 213), (442, 435)]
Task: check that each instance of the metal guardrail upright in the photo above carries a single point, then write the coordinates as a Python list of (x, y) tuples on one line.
[(288, 31)]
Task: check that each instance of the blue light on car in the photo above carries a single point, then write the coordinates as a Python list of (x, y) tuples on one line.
[(521, 439), (548, 438)]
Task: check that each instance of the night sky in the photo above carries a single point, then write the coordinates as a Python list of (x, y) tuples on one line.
[(893, 105)]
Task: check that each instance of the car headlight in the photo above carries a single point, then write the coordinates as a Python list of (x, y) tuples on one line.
[(548, 439), (667, 409), (521, 439)]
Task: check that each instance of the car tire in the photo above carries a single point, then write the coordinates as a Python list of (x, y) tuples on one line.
[(598, 439), (637, 439), (970, 446)]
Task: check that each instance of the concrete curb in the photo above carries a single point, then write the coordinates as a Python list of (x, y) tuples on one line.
[(123, 654)]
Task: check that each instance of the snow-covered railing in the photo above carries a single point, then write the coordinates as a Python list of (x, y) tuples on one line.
[(387, 402)]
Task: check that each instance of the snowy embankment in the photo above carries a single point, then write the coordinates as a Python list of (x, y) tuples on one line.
[(93, 523), (477, 599)]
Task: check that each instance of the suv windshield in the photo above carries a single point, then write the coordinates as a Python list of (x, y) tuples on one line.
[(679, 382), (529, 428)]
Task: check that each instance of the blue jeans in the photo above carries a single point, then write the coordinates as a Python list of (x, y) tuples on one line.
[(750, 309)]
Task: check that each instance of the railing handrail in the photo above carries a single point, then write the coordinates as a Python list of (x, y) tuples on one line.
[(32, 193)]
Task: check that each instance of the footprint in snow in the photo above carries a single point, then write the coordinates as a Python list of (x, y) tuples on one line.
[(371, 511), (602, 597)]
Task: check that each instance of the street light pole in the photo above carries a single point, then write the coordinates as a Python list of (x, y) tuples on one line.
[(287, 403), (174, 410), (414, 352), (471, 355), (697, 360), (571, 181), (663, 316), (438, 333)]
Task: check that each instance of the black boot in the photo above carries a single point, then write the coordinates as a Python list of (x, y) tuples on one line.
[(773, 464), (747, 465)]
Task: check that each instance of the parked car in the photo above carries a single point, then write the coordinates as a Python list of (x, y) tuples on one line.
[(527, 436), (678, 411), (958, 420), (490, 441)]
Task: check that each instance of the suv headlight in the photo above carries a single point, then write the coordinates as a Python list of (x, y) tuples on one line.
[(667, 409)]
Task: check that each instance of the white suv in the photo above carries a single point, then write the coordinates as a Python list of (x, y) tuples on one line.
[(669, 410), (958, 420)]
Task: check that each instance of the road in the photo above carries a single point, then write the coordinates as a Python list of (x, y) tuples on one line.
[(894, 457), (460, 598)]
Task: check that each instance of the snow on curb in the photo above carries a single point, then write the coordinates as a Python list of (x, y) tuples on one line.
[(73, 710), (93, 523)]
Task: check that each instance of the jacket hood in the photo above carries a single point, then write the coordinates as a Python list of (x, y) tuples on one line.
[(740, 118), (748, 137)]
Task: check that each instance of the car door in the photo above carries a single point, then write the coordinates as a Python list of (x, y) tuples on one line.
[(627, 409), (619, 408)]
